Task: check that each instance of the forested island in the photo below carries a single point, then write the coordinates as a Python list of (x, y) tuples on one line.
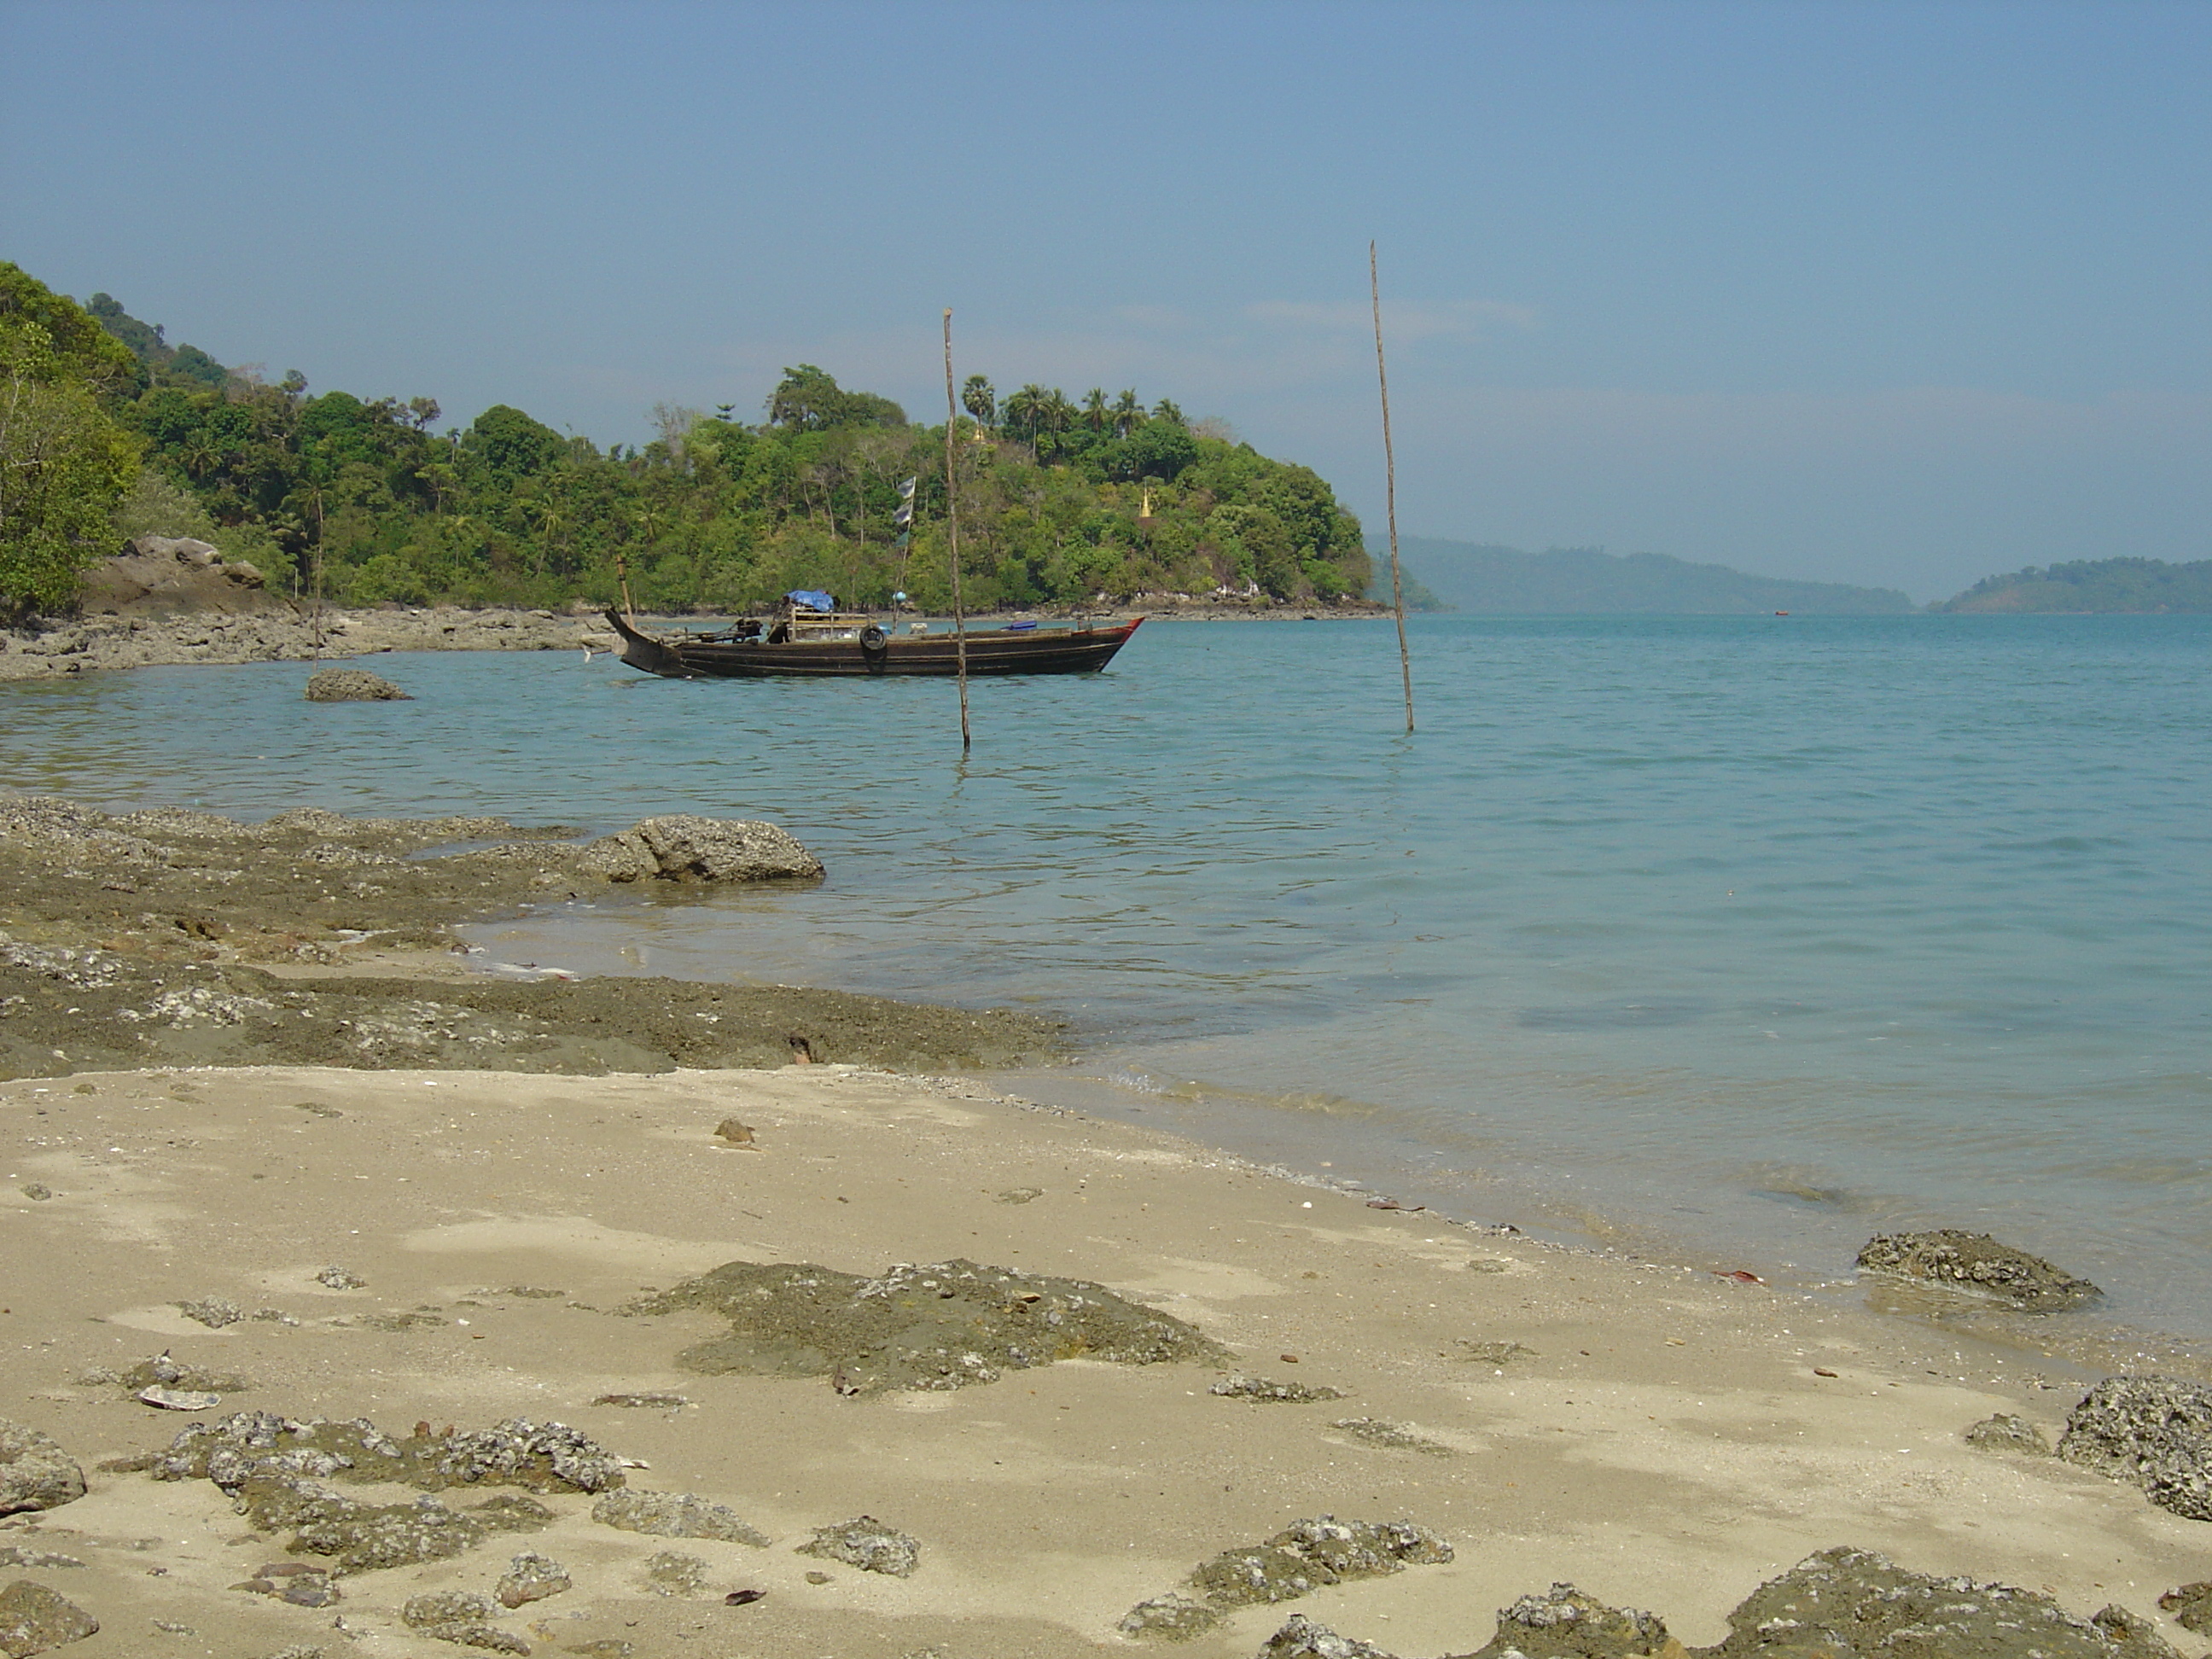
[(1589, 581), (108, 431), (2124, 585)]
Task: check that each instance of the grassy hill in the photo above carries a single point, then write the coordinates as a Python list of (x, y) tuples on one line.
[(1588, 581)]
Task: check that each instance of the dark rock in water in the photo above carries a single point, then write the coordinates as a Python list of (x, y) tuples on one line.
[(1302, 1638), (353, 685), (35, 1619), (1264, 1390), (942, 1325), (1308, 1554), (674, 1515), (1847, 1603), (684, 846), (2153, 1431), (1978, 1263), (2007, 1432), (1171, 1618), (35, 1473), (2191, 1606), (866, 1543), (1565, 1623)]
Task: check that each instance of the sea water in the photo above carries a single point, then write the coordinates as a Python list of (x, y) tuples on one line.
[(1740, 936)]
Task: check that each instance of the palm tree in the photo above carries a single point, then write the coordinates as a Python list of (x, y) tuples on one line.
[(1166, 411), (1096, 415), (977, 397), (1128, 413), (1025, 410), (1058, 414)]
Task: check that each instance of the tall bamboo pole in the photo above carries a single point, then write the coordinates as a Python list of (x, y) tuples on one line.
[(1390, 488), (952, 534)]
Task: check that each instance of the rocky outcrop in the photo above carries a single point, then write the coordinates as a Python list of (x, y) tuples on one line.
[(941, 1325), (684, 846), (35, 1473), (1563, 1623), (1978, 1264), (173, 575), (1838, 1604), (1847, 1601), (674, 1515), (866, 1543), (35, 1619), (352, 685), (2153, 1431)]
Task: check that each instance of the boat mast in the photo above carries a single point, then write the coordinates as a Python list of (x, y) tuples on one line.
[(952, 534), (1390, 489)]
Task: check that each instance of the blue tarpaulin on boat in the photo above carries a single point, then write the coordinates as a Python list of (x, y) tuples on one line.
[(812, 598)]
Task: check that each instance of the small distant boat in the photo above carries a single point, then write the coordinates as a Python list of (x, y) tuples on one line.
[(809, 637), (1781, 613)]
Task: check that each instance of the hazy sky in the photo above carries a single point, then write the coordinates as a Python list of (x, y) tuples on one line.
[(1877, 292)]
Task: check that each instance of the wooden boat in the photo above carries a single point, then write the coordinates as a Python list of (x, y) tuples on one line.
[(807, 643)]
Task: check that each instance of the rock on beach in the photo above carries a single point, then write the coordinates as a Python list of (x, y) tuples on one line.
[(1977, 1263), (2153, 1431), (35, 1473)]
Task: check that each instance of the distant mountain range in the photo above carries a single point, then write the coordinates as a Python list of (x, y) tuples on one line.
[(2136, 586), (1589, 581)]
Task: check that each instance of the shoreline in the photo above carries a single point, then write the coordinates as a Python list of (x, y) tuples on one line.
[(279, 631), (1663, 1439), (176, 937)]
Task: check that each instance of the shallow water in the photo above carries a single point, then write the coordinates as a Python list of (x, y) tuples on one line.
[(1753, 934)]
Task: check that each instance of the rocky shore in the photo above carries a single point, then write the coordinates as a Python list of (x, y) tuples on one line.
[(88, 644), (171, 937)]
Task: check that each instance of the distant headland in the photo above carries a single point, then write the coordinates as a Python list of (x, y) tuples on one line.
[(1495, 581)]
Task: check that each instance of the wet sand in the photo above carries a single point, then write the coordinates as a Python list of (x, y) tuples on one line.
[(1668, 1440)]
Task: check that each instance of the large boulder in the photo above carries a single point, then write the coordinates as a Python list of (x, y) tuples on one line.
[(2153, 1431), (1979, 1265), (35, 1473), (684, 846), (353, 685)]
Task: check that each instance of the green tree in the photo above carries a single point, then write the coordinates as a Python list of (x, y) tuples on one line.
[(64, 463), (809, 399), (977, 397)]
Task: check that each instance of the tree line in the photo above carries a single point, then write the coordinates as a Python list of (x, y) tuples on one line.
[(1063, 501)]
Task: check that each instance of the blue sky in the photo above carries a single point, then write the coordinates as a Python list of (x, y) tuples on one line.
[(1874, 292)]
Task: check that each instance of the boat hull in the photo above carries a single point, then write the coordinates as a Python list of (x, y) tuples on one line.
[(1080, 650)]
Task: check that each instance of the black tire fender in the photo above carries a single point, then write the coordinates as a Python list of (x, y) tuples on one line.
[(872, 638)]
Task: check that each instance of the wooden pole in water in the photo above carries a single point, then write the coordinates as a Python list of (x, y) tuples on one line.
[(952, 534), (1390, 488)]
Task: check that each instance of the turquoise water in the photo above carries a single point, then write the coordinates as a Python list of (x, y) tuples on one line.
[(1749, 935)]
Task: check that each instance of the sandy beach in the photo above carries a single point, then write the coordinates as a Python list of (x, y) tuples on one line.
[(382, 1304), (1664, 1440)]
